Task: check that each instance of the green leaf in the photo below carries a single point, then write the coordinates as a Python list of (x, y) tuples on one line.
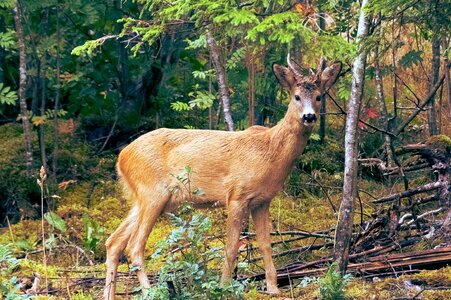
[(7, 96), (56, 221)]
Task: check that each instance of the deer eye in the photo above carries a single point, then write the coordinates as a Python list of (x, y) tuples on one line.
[(297, 98), (318, 98)]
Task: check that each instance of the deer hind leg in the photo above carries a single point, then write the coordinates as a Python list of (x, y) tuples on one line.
[(236, 212), (148, 214), (260, 216), (115, 246)]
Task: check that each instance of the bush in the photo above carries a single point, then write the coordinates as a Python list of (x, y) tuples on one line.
[(331, 285), (186, 273)]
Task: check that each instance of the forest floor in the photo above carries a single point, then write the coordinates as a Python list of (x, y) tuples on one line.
[(88, 206)]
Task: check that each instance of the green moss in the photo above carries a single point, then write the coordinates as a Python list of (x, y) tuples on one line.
[(440, 142)]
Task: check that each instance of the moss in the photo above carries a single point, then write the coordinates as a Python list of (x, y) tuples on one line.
[(439, 142)]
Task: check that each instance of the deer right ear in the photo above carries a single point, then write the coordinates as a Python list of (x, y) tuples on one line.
[(284, 75)]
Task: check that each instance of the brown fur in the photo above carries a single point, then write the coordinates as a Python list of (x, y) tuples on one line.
[(242, 171)]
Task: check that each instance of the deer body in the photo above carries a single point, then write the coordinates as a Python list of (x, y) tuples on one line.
[(242, 171)]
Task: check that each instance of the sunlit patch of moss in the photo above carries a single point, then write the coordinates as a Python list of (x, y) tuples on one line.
[(110, 212), (26, 232), (440, 142), (28, 267), (80, 295)]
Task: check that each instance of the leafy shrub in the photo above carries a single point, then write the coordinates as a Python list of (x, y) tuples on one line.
[(186, 273), (9, 285), (331, 285)]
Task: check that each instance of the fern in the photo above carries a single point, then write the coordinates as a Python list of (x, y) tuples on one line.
[(8, 40), (236, 58), (7, 96)]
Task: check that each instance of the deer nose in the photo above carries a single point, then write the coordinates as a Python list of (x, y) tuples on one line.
[(309, 118)]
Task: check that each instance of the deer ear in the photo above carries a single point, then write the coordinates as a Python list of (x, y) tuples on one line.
[(284, 75), (329, 76)]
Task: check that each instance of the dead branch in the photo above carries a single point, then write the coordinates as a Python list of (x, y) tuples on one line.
[(421, 189), (422, 106)]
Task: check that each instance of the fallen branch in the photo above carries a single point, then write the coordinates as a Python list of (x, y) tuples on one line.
[(421, 189)]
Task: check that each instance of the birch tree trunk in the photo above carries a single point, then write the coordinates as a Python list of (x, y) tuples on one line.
[(343, 233), (23, 90), (222, 82)]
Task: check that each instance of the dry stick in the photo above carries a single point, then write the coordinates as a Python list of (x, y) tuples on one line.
[(421, 189), (10, 230), (43, 176)]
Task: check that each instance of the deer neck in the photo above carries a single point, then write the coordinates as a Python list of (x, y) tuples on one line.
[(289, 138)]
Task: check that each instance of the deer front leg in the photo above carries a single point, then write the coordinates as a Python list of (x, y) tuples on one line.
[(236, 212), (260, 216)]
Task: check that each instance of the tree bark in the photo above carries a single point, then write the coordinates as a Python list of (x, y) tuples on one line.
[(222, 82), (57, 99), (323, 111), (343, 233), (432, 112), (23, 90), (382, 106)]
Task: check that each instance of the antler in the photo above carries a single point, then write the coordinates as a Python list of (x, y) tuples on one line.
[(296, 74)]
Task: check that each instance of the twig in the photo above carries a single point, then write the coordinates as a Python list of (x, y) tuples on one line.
[(34, 288), (360, 120)]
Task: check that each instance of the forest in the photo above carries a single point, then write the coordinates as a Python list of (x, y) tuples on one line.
[(364, 212)]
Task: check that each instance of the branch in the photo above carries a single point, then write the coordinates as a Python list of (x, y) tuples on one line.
[(408, 193), (421, 107), (360, 120)]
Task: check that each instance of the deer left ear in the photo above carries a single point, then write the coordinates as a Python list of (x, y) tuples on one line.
[(329, 76)]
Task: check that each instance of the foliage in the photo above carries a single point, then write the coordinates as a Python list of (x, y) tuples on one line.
[(331, 285), (9, 285), (6, 95), (187, 270), (94, 233)]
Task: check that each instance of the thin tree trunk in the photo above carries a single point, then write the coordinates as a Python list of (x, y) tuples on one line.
[(222, 82), (343, 233), (57, 98), (383, 107), (322, 115), (23, 90), (432, 111), (448, 85), (2, 52)]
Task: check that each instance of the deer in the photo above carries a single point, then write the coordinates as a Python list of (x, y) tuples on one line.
[(240, 170)]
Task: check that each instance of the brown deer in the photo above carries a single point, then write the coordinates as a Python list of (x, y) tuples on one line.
[(242, 171)]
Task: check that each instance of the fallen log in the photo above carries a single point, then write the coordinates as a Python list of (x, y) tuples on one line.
[(382, 264)]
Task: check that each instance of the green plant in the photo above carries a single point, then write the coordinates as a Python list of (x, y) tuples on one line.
[(331, 285), (9, 285), (94, 233), (186, 273)]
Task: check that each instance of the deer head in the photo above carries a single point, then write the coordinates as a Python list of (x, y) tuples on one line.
[(306, 91)]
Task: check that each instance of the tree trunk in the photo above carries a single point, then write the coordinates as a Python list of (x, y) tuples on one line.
[(23, 90), (432, 112), (383, 107), (222, 82), (57, 99), (322, 115), (343, 233), (2, 53)]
